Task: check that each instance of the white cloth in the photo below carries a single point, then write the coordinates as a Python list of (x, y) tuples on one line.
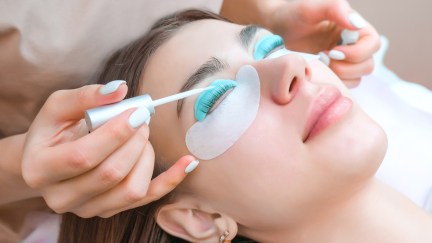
[(404, 110), (41, 227)]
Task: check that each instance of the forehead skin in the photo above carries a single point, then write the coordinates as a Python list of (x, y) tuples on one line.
[(191, 46)]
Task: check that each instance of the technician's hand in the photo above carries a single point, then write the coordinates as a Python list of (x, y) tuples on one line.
[(99, 173), (315, 26)]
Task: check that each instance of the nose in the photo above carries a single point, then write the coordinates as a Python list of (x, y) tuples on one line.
[(283, 76)]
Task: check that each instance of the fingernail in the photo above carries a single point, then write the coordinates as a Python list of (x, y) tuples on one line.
[(336, 55), (324, 58), (356, 20), (111, 87), (349, 36), (139, 117), (192, 165)]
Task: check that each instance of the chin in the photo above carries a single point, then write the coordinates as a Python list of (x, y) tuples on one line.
[(368, 156)]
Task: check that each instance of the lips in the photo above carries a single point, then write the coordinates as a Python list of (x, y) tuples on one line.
[(328, 107)]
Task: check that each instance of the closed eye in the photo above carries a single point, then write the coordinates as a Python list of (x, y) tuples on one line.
[(207, 100), (267, 45)]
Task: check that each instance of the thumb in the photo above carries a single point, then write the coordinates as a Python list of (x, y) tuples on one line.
[(64, 105)]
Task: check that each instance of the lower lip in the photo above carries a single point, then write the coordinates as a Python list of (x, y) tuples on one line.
[(331, 115)]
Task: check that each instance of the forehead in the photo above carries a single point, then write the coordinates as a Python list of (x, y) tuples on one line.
[(183, 53)]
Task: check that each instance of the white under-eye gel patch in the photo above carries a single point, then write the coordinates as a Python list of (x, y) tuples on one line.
[(232, 117), (283, 51)]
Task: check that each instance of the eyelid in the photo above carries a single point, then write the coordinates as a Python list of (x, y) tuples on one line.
[(276, 49), (266, 44)]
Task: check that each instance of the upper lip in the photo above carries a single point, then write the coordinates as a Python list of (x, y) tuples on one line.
[(322, 101)]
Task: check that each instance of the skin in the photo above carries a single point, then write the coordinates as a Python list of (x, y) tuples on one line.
[(101, 173), (49, 173), (312, 26), (282, 179)]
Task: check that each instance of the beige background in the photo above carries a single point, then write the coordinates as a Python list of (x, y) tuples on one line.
[(408, 26)]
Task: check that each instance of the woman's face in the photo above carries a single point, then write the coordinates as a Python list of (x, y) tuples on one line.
[(281, 168)]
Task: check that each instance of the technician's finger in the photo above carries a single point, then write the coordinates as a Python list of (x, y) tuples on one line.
[(350, 71), (84, 154), (170, 179), (107, 175), (339, 12), (71, 104), (363, 49), (132, 189), (352, 83), (163, 184)]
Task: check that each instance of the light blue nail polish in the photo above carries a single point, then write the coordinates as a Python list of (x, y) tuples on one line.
[(357, 20), (349, 36), (111, 87), (336, 55), (139, 117), (192, 165), (324, 58)]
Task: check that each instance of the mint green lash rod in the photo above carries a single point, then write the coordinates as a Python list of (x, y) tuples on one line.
[(208, 98), (266, 44)]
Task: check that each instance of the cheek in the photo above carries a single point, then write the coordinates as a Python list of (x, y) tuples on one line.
[(352, 149), (269, 166), (269, 149), (272, 150)]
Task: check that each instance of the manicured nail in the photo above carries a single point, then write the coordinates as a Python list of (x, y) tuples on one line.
[(356, 20), (336, 55), (139, 117), (324, 58), (192, 165), (111, 87), (349, 36)]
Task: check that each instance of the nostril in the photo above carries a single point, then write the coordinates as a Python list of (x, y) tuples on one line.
[(292, 85)]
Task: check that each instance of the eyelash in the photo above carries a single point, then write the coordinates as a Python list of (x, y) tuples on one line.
[(204, 105), (267, 45), (205, 102)]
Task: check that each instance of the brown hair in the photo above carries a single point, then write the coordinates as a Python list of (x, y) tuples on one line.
[(128, 63)]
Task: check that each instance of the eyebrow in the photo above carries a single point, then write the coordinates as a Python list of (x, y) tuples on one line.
[(215, 65), (247, 34), (212, 66)]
